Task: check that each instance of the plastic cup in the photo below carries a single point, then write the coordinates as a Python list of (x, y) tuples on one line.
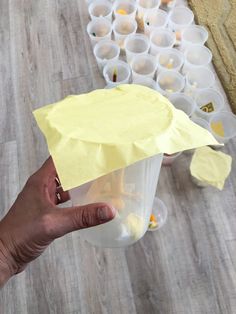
[(145, 81), (223, 126), (167, 5), (169, 82), (159, 210), (208, 101), (170, 59), (101, 8), (153, 20), (161, 39), (193, 35), (198, 79), (143, 65), (131, 191), (145, 6), (201, 122), (106, 50), (183, 102), (122, 27), (125, 8), (136, 44), (99, 29), (196, 56), (180, 18), (169, 159), (116, 73)]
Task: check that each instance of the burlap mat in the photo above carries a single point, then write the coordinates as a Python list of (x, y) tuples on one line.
[(219, 17)]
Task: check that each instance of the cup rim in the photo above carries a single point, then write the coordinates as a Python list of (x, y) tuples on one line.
[(209, 114), (101, 43), (178, 8), (99, 19), (222, 112), (162, 30), (115, 5), (206, 34), (210, 72), (157, 199), (94, 3), (159, 11), (119, 19), (186, 97), (116, 63), (137, 35), (145, 56), (175, 51), (190, 48), (154, 7)]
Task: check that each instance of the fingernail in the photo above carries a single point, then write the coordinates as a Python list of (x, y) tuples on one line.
[(106, 213)]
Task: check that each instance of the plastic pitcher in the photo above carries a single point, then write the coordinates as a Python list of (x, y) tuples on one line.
[(131, 191)]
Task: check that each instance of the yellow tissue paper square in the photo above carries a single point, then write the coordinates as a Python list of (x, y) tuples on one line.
[(93, 134), (210, 166)]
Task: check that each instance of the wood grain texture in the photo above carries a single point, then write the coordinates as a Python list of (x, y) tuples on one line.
[(186, 267)]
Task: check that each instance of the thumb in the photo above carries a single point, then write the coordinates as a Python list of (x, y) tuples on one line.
[(80, 217)]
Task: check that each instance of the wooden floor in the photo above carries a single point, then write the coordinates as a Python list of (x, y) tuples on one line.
[(188, 267)]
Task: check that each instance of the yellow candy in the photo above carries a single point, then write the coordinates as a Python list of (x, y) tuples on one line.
[(218, 128), (122, 12)]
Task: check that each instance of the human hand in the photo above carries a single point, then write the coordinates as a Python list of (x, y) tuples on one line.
[(35, 220)]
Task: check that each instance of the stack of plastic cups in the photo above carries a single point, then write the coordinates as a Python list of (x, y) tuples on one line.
[(183, 102), (180, 18), (170, 59), (143, 66), (104, 51), (98, 29), (198, 79), (122, 27), (116, 72), (196, 56), (169, 82), (223, 126), (145, 6), (137, 44), (101, 8), (125, 8), (153, 20), (193, 35), (208, 101), (161, 39), (167, 5)]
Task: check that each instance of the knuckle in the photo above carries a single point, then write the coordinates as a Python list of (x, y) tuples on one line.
[(47, 225)]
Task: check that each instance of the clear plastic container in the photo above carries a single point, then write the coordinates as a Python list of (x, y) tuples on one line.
[(193, 35), (159, 210), (169, 159), (183, 102), (154, 19), (169, 82), (136, 44), (131, 191), (167, 5), (223, 126), (170, 59), (209, 101), (99, 29), (122, 27), (145, 81), (201, 122), (116, 73), (125, 8), (101, 8), (198, 79), (145, 6), (196, 56), (143, 65), (106, 50), (180, 18), (161, 39)]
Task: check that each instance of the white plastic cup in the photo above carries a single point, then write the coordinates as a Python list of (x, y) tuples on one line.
[(169, 82), (106, 50), (135, 188), (125, 8), (101, 8), (193, 35), (180, 18), (154, 19), (117, 68), (196, 56), (208, 96), (99, 29), (122, 27), (145, 81), (136, 44), (227, 122), (183, 102), (167, 5), (143, 65), (169, 159), (170, 59), (145, 6), (201, 122), (198, 79), (161, 39), (159, 210)]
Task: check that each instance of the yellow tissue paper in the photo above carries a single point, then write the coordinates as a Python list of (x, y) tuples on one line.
[(210, 166), (93, 134)]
